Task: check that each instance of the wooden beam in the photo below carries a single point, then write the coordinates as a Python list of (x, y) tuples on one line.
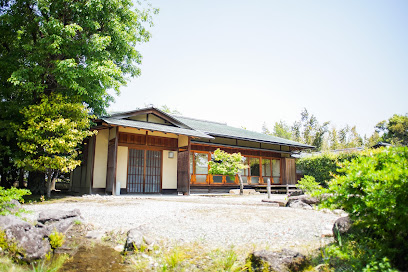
[(116, 160)]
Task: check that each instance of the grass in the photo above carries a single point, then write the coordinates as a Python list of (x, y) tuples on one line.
[(189, 257), (52, 265)]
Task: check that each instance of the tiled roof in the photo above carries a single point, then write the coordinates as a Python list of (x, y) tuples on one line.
[(223, 130), (155, 127)]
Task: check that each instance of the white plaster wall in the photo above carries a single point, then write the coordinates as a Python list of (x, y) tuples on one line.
[(101, 159), (169, 171), (121, 171)]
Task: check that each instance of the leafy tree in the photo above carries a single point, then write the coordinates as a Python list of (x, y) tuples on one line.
[(394, 130), (282, 130), (372, 140), (166, 109), (265, 129), (333, 138), (50, 136), (227, 164), (79, 49)]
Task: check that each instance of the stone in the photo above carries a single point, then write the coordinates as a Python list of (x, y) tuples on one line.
[(339, 212), (119, 248), (303, 198), (272, 203), (246, 192), (135, 240), (28, 238), (341, 226), (94, 234), (299, 205), (281, 261), (56, 215)]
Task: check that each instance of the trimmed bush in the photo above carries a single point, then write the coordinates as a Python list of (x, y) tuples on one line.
[(322, 166)]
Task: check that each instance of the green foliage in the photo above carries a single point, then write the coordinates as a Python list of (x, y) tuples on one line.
[(395, 129), (372, 188), (51, 265), (76, 49), (167, 109), (189, 257), (10, 247), (226, 164), (79, 49), (51, 134), (322, 166), (57, 239), (308, 184), (6, 195), (281, 129)]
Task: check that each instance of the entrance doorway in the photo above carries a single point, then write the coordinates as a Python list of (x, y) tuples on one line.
[(144, 171)]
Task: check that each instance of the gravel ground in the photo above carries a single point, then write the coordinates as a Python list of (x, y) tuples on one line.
[(218, 221)]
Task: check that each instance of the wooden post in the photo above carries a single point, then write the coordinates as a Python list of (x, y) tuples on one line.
[(268, 188)]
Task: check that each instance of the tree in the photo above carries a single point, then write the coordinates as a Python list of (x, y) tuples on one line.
[(333, 138), (282, 130), (394, 130), (166, 109), (79, 49), (227, 164), (50, 136)]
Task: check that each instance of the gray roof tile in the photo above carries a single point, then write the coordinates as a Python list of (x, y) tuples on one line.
[(223, 130), (155, 127)]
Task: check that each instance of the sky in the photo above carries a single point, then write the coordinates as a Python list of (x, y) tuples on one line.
[(246, 63)]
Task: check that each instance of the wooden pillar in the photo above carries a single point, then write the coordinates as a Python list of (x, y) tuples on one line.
[(183, 169), (112, 163)]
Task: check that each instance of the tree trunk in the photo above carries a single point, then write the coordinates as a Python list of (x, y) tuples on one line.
[(241, 185), (51, 178), (53, 183), (36, 183), (21, 179), (49, 181)]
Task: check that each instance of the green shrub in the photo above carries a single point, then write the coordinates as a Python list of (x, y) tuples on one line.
[(373, 189), (6, 195), (308, 184), (322, 166), (57, 239), (10, 247)]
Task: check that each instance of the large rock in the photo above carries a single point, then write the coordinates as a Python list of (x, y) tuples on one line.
[(28, 239), (135, 240), (32, 240), (57, 215), (299, 205), (282, 261), (341, 226), (303, 198)]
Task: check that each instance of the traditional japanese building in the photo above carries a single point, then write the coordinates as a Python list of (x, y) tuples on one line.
[(150, 151)]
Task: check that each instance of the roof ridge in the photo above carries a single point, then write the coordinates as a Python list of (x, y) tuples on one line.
[(196, 119)]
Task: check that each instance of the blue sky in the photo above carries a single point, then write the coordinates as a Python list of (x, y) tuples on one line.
[(250, 62)]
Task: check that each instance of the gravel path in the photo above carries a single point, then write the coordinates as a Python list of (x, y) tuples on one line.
[(216, 221)]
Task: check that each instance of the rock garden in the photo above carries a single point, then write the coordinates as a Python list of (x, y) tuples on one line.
[(194, 233)]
